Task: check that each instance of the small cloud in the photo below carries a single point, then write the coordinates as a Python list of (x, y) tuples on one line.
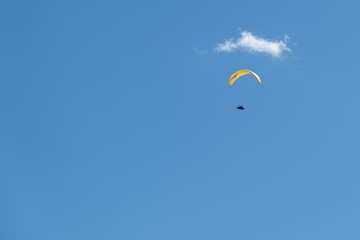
[(199, 52), (252, 43)]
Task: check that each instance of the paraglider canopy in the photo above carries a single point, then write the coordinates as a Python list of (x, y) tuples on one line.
[(240, 73)]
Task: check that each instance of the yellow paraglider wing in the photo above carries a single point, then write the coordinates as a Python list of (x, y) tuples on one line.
[(240, 73)]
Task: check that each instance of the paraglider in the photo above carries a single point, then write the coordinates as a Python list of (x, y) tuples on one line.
[(240, 73)]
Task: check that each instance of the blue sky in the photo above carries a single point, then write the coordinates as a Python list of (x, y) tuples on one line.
[(117, 121)]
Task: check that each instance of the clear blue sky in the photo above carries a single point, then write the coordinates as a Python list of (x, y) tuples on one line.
[(117, 121)]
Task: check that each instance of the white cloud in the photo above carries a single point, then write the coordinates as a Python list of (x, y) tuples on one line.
[(252, 43), (199, 52)]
